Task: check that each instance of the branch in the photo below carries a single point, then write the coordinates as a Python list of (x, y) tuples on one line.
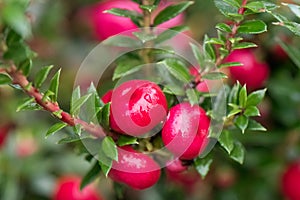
[(20, 79), (232, 34)]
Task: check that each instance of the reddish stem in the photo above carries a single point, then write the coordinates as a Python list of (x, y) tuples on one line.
[(19, 79)]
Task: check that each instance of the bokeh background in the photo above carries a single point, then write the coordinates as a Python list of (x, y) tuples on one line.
[(30, 164)]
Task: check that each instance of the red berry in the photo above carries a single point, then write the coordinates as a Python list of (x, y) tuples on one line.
[(176, 166), (4, 130), (107, 96), (134, 169), (68, 188), (185, 132), (105, 25), (252, 73), (137, 106), (202, 87), (291, 181)]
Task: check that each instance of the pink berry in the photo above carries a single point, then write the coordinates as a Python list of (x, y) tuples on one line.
[(68, 188), (134, 169), (185, 132), (290, 182), (176, 166), (252, 73), (137, 106)]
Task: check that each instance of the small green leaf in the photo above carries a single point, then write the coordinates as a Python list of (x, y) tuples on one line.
[(177, 68), (293, 26), (170, 33), (69, 139), (223, 27), (171, 12), (202, 165), (122, 41), (261, 6), (252, 27), (226, 141), (208, 49), (233, 95), (143, 36), (5, 79), (198, 55), (234, 111), (255, 126), (26, 66), (28, 104), (294, 8), (238, 152), (90, 176), (242, 122), (149, 8), (244, 45), (173, 89), (192, 96), (243, 97), (256, 97), (54, 86), (251, 111), (126, 67), (215, 41), (104, 162), (214, 76), (42, 75), (109, 147), (55, 128), (103, 116), (230, 64), (126, 140), (133, 15), (76, 105), (226, 7)]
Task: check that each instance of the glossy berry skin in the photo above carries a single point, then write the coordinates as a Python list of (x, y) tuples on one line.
[(137, 106), (106, 98), (252, 73), (185, 132), (68, 188), (290, 182), (137, 170), (175, 166)]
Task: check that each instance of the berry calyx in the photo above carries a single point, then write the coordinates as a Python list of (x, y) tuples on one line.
[(68, 188), (137, 106), (253, 73), (134, 169), (290, 182), (185, 132)]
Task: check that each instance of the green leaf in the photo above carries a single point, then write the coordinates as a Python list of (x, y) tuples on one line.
[(90, 176), (214, 76), (202, 165), (198, 55), (177, 68), (109, 147), (126, 67), (244, 45), (42, 75), (242, 122), (255, 126), (54, 86), (126, 140), (69, 139), (104, 162), (14, 16), (26, 66), (223, 27), (233, 95), (133, 15), (143, 36), (251, 111), (149, 8), (225, 7), (238, 152), (103, 116), (18, 52), (215, 41), (174, 90), (171, 12), (256, 97), (170, 33), (230, 64), (291, 51), (252, 27), (55, 128), (192, 97), (294, 8), (208, 49), (293, 26), (226, 141), (261, 6), (5, 79), (76, 105), (243, 97), (28, 104), (122, 41), (234, 111)]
